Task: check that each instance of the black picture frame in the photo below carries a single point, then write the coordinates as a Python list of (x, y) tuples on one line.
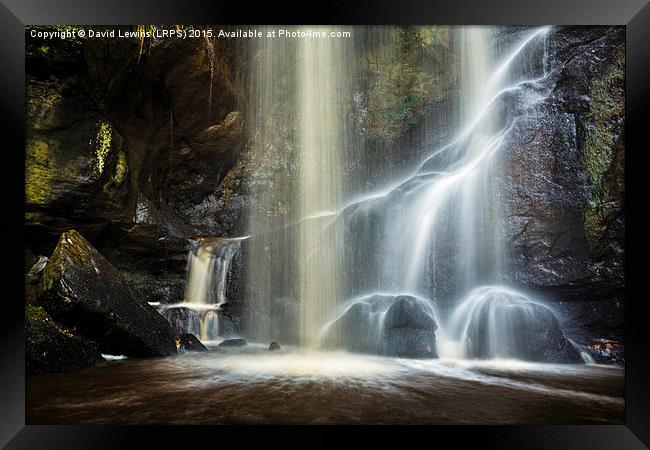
[(634, 14)]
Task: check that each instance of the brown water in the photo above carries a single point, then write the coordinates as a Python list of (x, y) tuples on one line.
[(254, 386)]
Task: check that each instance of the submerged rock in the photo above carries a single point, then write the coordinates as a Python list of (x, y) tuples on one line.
[(274, 346), (235, 342), (83, 291), (402, 326), (52, 348), (190, 343)]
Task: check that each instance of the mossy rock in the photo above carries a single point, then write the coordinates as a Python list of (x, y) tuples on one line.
[(51, 348), (84, 291), (603, 150), (403, 75)]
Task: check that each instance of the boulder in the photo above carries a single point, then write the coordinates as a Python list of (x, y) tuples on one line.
[(607, 351), (535, 335), (235, 342), (33, 277), (81, 290), (401, 325), (409, 328), (182, 320), (496, 322), (274, 346), (190, 343), (52, 348)]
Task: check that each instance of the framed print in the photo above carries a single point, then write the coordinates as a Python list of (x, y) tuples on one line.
[(416, 216)]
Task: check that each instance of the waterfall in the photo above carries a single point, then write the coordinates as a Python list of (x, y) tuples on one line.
[(322, 85), (500, 322), (447, 225), (208, 267), (270, 108), (207, 271), (431, 236), (296, 113)]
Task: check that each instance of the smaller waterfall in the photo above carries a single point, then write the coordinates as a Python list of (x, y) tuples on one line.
[(208, 266), (207, 271)]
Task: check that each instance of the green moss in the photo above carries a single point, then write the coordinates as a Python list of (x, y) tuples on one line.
[(103, 141), (42, 105), (40, 167), (36, 315), (603, 129), (138, 278), (121, 169), (403, 74)]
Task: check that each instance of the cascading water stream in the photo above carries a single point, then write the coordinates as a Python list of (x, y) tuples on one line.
[(298, 98), (208, 267), (321, 129), (451, 196)]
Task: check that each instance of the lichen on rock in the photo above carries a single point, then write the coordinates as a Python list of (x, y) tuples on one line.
[(102, 145), (121, 168), (40, 165), (603, 140)]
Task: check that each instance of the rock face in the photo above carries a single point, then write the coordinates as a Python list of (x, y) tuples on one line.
[(52, 348), (83, 291), (564, 187), (183, 320), (402, 326), (118, 148)]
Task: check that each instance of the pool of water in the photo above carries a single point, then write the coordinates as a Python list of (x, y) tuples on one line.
[(294, 386)]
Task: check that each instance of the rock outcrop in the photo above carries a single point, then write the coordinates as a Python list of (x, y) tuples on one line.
[(118, 148), (564, 187), (53, 348), (81, 290)]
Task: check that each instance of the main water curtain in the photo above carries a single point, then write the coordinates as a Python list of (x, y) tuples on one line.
[(381, 154), (297, 114)]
